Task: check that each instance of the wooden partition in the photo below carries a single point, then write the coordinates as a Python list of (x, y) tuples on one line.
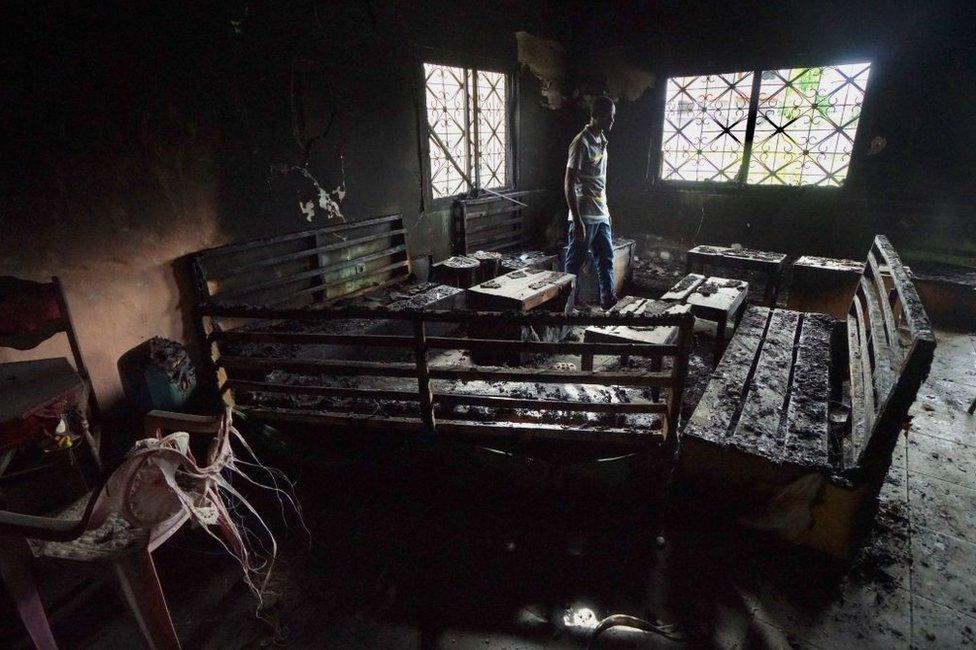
[(420, 391)]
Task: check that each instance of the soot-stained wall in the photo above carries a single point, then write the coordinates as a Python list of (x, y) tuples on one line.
[(134, 136), (918, 190)]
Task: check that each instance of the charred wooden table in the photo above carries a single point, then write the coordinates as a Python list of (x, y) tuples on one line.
[(520, 291), (769, 264), (824, 284), (654, 335), (536, 260), (714, 299)]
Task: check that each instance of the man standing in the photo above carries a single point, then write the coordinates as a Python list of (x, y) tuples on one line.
[(586, 193)]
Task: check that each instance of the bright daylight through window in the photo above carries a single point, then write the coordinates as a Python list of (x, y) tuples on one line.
[(467, 120), (774, 127)]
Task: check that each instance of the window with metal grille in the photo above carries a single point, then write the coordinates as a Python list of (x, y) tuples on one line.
[(467, 129), (794, 126)]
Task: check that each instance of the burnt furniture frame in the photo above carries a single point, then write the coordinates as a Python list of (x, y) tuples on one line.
[(242, 377), (492, 222), (309, 268), (774, 410), (742, 259)]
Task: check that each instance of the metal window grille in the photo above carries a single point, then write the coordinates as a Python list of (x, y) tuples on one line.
[(774, 127), (705, 127), (805, 125), (467, 118)]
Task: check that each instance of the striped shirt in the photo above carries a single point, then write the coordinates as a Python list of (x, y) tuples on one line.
[(588, 155)]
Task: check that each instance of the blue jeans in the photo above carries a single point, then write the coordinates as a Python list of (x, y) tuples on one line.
[(600, 250)]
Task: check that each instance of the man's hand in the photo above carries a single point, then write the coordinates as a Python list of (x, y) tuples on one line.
[(579, 228)]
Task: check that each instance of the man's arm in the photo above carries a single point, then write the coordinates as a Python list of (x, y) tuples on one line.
[(569, 189)]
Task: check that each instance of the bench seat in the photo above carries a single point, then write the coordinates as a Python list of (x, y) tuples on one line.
[(769, 394)]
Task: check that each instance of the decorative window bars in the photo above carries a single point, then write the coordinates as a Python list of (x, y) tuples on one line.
[(467, 129), (774, 127)]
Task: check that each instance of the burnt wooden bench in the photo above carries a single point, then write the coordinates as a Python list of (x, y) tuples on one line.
[(497, 224), (364, 263), (799, 421), (493, 223)]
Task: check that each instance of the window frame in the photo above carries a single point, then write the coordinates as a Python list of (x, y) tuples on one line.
[(741, 184), (482, 64)]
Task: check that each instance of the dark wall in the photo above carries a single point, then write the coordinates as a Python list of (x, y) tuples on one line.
[(134, 136), (920, 98)]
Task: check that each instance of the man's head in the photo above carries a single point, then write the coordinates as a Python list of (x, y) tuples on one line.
[(602, 112)]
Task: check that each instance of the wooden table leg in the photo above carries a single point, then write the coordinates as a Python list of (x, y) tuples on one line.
[(656, 367), (586, 362), (720, 339)]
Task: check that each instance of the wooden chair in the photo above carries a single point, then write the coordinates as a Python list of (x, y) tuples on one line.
[(124, 549), (31, 313)]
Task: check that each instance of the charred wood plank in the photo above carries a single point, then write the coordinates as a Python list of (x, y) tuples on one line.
[(546, 376), (501, 429), (442, 316), (860, 418), (721, 404), (280, 239), (760, 428), (807, 442), (501, 402), (318, 366)]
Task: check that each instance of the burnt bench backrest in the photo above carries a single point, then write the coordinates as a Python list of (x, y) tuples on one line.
[(494, 223), (306, 267), (890, 351)]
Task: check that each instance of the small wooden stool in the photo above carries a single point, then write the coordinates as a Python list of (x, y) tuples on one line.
[(714, 299)]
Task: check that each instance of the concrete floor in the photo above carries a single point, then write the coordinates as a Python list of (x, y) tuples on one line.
[(407, 554)]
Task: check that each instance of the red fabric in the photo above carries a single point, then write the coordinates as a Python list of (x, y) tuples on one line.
[(27, 306), (41, 422)]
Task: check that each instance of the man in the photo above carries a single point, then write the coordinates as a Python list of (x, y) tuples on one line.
[(586, 193)]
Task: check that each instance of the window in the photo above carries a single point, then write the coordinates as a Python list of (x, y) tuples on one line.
[(774, 127), (467, 129), (705, 127)]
